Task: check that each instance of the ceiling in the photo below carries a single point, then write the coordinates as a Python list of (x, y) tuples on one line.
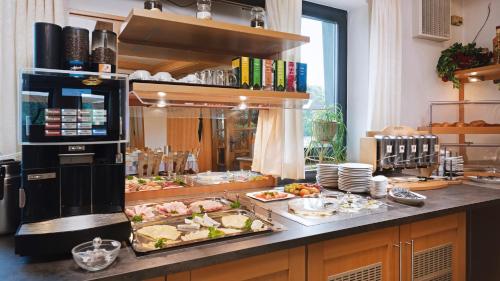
[(342, 4)]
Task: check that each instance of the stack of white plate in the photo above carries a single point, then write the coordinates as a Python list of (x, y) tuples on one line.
[(355, 177), (327, 175)]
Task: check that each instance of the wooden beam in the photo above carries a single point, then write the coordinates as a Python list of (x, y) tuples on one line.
[(96, 16)]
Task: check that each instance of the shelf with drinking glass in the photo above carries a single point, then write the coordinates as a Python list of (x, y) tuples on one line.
[(164, 95), (483, 73), (167, 36)]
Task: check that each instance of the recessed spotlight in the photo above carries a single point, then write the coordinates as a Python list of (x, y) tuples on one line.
[(243, 98), (161, 104), (475, 78), (242, 106), (162, 94)]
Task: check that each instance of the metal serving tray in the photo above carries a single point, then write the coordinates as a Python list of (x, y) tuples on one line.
[(143, 245)]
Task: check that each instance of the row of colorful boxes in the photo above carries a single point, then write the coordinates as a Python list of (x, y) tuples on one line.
[(271, 75)]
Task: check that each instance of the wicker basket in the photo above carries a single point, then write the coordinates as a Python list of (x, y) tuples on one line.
[(324, 131)]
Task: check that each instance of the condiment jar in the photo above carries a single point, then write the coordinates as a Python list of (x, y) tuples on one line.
[(204, 9), (153, 5), (258, 15)]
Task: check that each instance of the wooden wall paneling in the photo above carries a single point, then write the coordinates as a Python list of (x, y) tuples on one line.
[(285, 265), (136, 127), (353, 252), (180, 276), (182, 133), (160, 278)]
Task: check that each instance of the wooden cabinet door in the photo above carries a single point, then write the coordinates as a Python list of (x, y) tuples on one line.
[(438, 249), (369, 256), (286, 265)]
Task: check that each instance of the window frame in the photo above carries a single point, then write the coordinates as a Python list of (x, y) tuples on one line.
[(339, 17)]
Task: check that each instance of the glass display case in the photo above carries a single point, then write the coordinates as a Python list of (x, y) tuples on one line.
[(58, 107), (469, 130)]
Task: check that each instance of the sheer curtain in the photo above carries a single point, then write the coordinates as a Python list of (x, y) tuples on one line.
[(384, 86), (279, 144), (16, 52)]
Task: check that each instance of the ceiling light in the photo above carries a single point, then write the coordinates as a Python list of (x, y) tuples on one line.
[(243, 98), (162, 94), (161, 104), (473, 73), (475, 78)]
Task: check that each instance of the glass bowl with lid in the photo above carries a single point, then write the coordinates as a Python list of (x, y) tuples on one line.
[(96, 254)]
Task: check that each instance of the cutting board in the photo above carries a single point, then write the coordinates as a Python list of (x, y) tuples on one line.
[(427, 185)]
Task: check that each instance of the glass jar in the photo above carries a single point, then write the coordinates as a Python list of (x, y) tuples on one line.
[(103, 51), (496, 46), (75, 48), (258, 16), (153, 5), (204, 9)]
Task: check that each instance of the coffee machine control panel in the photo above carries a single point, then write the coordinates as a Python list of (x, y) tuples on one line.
[(72, 107)]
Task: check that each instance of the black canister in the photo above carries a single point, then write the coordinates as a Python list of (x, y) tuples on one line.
[(47, 45), (10, 182), (75, 48)]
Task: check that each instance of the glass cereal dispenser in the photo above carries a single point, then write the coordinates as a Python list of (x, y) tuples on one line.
[(103, 51)]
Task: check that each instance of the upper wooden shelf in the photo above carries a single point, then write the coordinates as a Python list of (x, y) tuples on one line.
[(462, 130), (166, 36), (147, 94), (489, 72)]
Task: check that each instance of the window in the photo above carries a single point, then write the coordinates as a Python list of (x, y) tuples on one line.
[(326, 58)]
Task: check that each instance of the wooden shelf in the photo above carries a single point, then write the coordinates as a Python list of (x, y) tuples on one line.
[(165, 36), (146, 94), (462, 130), (489, 72)]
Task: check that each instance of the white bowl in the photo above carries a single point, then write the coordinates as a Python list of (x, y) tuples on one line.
[(140, 75), (162, 76)]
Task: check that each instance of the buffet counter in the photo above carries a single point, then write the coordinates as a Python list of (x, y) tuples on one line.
[(443, 207)]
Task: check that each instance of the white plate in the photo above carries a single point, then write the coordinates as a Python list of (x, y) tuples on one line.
[(253, 195), (356, 166)]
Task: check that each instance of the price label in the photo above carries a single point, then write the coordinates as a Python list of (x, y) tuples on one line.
[(388, 149), (413, 148), (426, 147), (401, 149)]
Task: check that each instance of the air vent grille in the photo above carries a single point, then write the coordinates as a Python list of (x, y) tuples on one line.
[(432, 19), (371, 272), (434, 264)]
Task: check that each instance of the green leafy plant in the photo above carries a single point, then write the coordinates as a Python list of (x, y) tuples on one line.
[(459, 56), (328, 146), (214, 233)]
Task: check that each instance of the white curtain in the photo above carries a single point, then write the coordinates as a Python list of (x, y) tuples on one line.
[(16, 52), (279, 145), (384, 86)]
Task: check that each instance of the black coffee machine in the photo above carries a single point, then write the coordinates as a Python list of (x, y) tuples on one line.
[(73, 130)]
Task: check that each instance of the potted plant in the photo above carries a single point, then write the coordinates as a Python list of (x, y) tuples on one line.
[(459, 56), (328, 131)]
